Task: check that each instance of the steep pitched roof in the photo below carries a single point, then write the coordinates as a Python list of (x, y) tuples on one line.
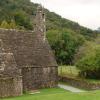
[(8, 66), (43, 55), (28, 49)]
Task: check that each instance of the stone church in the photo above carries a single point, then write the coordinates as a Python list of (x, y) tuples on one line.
[(26, 59)]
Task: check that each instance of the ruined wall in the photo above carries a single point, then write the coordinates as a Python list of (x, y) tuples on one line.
[(10, 87), (35, 78)]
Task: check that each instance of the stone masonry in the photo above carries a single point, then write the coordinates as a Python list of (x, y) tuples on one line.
[(26, 59)]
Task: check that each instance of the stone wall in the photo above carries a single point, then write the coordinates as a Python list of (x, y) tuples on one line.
[(35, 78), (80, 83), (34, 56), (10, 87), (28, 48)]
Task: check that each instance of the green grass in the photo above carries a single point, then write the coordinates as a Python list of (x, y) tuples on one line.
[(68, 70), (72, 71), (59, 94), (93, 81)]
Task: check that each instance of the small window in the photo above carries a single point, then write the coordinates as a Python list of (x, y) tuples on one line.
[(43, 15)]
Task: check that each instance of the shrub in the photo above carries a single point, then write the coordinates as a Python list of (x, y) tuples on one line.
[(89, 61)]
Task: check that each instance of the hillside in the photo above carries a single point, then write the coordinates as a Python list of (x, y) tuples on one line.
[(64, 36), (23, 10)]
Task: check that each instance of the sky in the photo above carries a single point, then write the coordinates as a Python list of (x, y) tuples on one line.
[(85, 12)]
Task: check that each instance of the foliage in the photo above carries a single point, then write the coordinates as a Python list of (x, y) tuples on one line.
[(64, 43), (73, 72), (65, 36), (69, 71), (4, 24), (11, 25), (23, 10), (22, 20), (89, 60)]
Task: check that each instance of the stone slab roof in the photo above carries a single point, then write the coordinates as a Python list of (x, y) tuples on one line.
[(28, 48), (8, 66)]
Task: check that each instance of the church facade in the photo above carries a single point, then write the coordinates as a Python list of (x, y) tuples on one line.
[(26, 59)]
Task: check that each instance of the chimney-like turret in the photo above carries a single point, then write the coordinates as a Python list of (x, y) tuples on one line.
[(40, 27)]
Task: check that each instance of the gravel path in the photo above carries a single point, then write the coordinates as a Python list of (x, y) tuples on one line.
[(70, 88)]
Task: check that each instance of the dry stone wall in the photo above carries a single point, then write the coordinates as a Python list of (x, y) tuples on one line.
[(80, 83), (11, 87), (35, 78)]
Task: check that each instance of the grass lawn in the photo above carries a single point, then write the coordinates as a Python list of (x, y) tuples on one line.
[(72, 71), (68, 70), (59, 94)]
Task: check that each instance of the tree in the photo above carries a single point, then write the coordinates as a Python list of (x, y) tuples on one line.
[(89, 60), (22, 20), (64, 43)]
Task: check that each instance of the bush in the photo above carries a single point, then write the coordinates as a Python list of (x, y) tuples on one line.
[(89, 61), (64, 44)]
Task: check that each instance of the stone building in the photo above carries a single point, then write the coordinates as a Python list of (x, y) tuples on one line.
[(26, 59), (10, 75)]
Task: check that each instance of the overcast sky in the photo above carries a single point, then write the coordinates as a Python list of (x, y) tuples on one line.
[(85, 12)]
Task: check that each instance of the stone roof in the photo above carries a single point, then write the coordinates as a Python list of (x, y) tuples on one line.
[(8, 66), (28, 49)]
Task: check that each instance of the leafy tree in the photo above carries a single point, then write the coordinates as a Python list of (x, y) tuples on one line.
[(89, 61), (22, 20), (64, 44), (65, 36)]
